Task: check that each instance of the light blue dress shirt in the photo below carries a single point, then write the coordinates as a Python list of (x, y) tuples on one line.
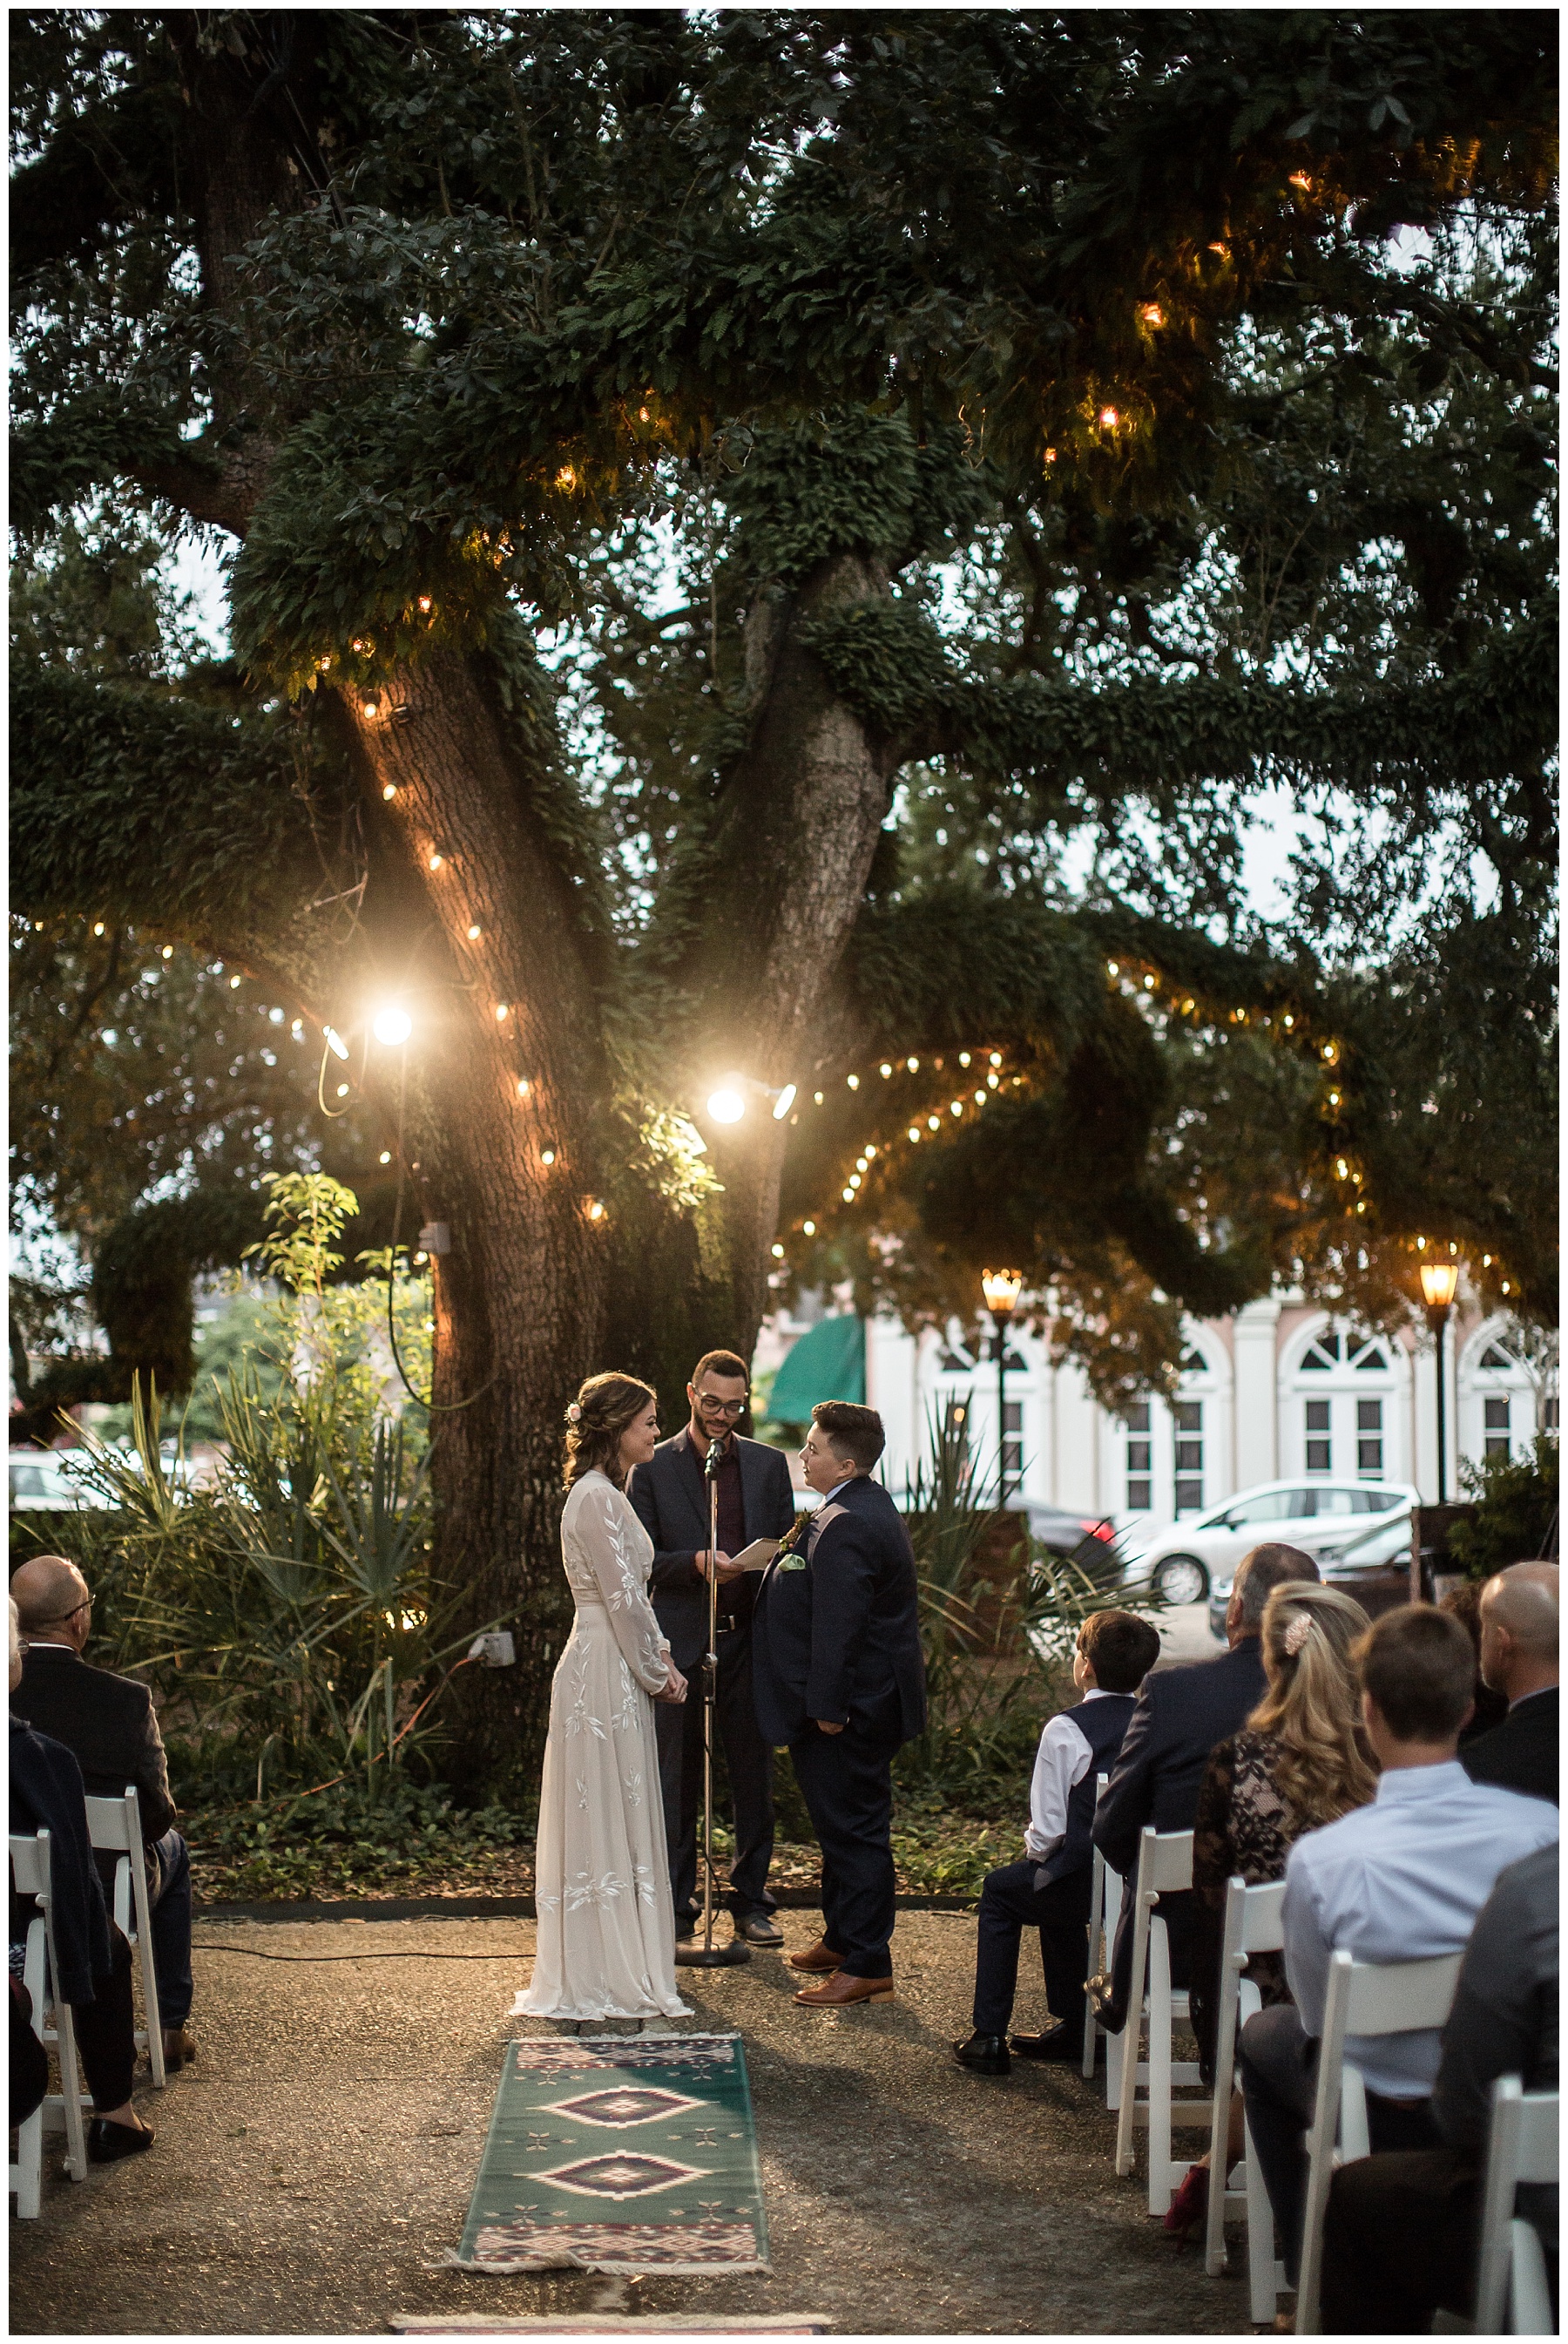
[(1401, 1881)]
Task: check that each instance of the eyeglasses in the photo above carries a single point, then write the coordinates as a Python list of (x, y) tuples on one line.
[(60, 1618), (713, 1406)]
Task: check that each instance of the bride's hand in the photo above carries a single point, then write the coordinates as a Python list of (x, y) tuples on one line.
[(673, 1685)]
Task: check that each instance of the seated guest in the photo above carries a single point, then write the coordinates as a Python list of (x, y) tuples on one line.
[(1401, 1880), (109, 1725), (1402, 2237), (1181, 1714), (1301, 1760), (93, 1958), (1519, 1661), (1050, 1889), (1490, 1708)]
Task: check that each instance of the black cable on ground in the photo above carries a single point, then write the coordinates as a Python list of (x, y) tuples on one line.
[(251, 1954)]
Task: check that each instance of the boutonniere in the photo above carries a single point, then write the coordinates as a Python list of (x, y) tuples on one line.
[(788, 1557)]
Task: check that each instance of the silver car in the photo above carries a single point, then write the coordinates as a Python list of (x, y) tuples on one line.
[(1363, 1523)]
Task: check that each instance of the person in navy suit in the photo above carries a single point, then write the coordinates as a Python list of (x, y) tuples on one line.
[(670, 1498), (840, 1675), (1052, 1889), (1182, 1714)]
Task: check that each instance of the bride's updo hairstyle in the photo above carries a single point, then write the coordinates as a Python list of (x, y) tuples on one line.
[(595, 1419)]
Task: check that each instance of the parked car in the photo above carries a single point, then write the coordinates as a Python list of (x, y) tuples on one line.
[(1346, 1526), (48, 1481), (1063, 1531)]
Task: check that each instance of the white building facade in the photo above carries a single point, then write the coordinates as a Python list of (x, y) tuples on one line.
[(1279, 1391)]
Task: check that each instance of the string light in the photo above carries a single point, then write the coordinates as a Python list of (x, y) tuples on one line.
[(963, 1058), (233, 983), (503, 1011), (1298, 179), (546, 1155), (168, 952), (343, 1090), (97, 927), (370, 708), (389, 790), (1152, 314), (566, 477), (1331, 1052), (809, 1229), (522, 1086), (996, 1057), (853, 1081), (914, 1131), (1109, 419), (385, 1156), (848, 1196), (594, 1209), (913, 1065), (933, 1123), (818, 1096), (424, 602), (1050, 455), (957, 1107), (778, 1252), (886, 1070), (436, 862), (474, 933)]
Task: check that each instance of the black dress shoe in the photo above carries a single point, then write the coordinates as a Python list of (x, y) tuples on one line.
[(1055, 2043), (984, 2055), (107, 2143), (758, 1929)]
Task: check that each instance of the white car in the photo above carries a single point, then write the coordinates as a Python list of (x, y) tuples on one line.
[(47, 1481), (1362, 1524)]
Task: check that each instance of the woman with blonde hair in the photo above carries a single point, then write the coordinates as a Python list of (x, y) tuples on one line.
[(605, 1931), (1301, 1760)]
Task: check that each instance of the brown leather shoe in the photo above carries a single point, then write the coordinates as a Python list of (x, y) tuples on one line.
[(179, 2046), (820, 1956), (839, 1992)]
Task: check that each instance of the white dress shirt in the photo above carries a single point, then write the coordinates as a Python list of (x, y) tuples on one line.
[(1060, 1763), (1400, 1881)]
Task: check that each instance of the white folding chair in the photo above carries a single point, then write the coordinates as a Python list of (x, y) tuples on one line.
[(1254, 1924), (115, 1825), (1106, 1884), (61, 2110), (1512, 2297), (1364, 1998), (1164, 1862)]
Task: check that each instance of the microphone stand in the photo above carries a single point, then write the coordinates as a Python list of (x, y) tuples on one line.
[(708, 1955)]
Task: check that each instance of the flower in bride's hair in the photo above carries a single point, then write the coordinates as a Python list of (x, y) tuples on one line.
[(574, 1414), (1296, 1634)]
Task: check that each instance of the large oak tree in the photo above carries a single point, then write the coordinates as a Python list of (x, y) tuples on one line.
[(462, 328)]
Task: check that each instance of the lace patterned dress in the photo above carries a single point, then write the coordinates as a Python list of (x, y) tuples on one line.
[(1244, 1826), (606, 1918)]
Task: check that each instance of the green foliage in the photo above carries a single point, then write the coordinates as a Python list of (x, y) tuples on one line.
[(1515, 1517)]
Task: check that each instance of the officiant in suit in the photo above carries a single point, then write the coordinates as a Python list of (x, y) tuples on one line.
[(669, 1495), (841, 1678)]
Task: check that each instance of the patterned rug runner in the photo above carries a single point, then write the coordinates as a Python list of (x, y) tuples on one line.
[(619, 2153)]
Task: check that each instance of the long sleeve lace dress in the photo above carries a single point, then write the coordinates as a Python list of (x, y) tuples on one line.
[(606, 1945)]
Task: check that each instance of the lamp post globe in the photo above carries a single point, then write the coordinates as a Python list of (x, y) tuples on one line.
[(1001, 1289), (1438, 1284)]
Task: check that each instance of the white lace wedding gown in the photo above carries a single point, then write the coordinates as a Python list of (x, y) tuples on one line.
[(605, 1944)]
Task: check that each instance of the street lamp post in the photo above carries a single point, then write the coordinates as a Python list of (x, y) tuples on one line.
[(1001, 1289), (1439, 1284)]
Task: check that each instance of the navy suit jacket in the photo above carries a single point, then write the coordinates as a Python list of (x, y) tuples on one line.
[(839, 1637), (1181, 1714), (670, 1498), (1520, 1754)]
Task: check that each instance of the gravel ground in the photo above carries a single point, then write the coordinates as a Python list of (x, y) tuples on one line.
[(318, 2160)]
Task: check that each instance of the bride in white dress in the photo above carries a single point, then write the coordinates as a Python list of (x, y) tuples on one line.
[(606, 1946)]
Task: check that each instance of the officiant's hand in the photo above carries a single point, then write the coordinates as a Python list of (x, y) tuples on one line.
[(727, 1570), (673, 1685), (822, 1726)]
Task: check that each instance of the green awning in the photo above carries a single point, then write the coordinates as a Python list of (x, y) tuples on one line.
[(828, 1362)]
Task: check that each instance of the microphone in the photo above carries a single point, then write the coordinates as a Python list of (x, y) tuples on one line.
[(713, 1461)]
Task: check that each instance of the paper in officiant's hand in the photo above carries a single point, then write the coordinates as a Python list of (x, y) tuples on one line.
[(758, 1555)]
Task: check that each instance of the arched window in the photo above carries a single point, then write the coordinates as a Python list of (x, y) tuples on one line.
[(1342, 1415), (1176, 1453), (1497, 1395)]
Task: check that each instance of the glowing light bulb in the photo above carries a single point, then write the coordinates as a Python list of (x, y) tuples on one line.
[(933, 1123), (392, 1025), (168, 952), (503, 1011), (384, 1157), (809, 1229), (642, 418), (778, 1252), (523, 1087), (474, 933), (913, 1065), (914, 1131), (595, 1209), (546, 1155), (566, 477), (97, 927), (957, 1107), (886, 1070), (436, 860), (853, 1081), (848, 1196), (725, 1106), (963, 1058), (424, 602), (996, 1057), (993, 1082), (389, 790), (854, 1184), (784, 1102), (335, 1042), (817, 1097), (1050, 456), (370, 708), (1109, 419), (1152, 314), (343, 1090), (233, 984), (979, 1098), (1298, 179)]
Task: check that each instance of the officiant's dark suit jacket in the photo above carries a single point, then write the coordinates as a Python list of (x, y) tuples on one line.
[(669, 1495), (840, 1638), (670, 1498)]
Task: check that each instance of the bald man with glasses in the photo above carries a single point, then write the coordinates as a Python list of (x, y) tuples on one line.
[(111, 1729), (756, 1500)]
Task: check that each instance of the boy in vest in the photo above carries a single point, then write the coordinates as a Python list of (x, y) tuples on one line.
[(1050, 1889)]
